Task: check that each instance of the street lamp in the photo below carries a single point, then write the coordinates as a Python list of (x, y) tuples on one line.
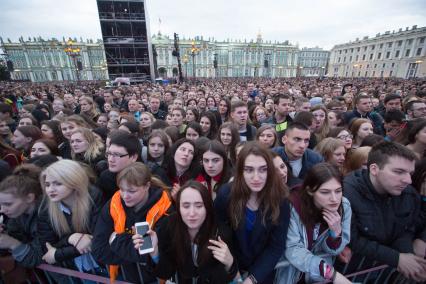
[(73, 52), (194, 51), (185, 60)]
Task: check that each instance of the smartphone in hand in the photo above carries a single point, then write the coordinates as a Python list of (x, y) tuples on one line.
[(142, 229)]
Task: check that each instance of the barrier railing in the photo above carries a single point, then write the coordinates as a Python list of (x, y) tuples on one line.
[(377, 275)]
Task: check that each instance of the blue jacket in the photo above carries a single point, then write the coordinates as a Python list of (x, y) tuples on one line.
[(373, 116), (261, 251), (298, 258), (309, 159)]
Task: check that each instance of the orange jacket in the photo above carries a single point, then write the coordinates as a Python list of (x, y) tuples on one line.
[(118, 215)]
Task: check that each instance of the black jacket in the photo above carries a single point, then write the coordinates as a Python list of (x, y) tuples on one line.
[(382, 225), (65, 253), (24, 229), (121, 251), (107, 184), (210, 272)]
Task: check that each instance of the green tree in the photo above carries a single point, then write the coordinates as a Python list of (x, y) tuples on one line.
[(4, 73)]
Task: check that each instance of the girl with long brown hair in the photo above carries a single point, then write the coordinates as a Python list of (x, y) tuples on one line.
[(193, 245), (255, 205), (320, 225)]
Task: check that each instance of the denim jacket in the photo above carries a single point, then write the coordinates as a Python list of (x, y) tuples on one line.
[(298, 259)]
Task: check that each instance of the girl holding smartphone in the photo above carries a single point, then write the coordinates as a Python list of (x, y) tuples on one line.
[(192, 244)]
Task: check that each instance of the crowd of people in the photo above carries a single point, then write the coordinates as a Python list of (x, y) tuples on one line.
[(248, 181)]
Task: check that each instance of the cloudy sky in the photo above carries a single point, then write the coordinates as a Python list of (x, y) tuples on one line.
[(308, 23)]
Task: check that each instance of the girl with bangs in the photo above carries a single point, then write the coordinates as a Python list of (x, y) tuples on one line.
[(256, 207), (192, 245), (20, 195), (67, 216), (141, 198), (216, 168), (229, 136)]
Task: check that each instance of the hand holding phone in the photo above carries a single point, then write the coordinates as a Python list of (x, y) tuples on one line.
[(144, 242)]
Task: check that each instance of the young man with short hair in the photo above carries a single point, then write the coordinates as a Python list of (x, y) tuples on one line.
[(415, 109), (123, 151), (281, 117), (295, 151), (154, 107), (239, 114), (391, 102), (364, 109), (387, 225), (133, 106)]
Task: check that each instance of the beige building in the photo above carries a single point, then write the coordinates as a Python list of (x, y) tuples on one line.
[(399, 54)]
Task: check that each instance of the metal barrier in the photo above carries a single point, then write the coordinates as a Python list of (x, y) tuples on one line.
[(70, 274), (375, 275)]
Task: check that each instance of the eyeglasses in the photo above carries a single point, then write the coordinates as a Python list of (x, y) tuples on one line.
[(115, 155), (345, 137)]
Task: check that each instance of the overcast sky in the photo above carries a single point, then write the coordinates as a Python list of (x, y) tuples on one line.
[(309, 23)]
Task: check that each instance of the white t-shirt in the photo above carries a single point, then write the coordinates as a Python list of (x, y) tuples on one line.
[(296, 166)]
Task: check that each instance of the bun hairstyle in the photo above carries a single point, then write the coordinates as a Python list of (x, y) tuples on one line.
[(23, 181)]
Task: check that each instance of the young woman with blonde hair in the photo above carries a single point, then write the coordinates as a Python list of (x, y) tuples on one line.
[(88, 108), (68, 215), (68, 125), (86, 147)]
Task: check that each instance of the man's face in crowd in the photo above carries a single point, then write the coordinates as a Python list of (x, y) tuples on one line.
[(117, 163), (200, 94), (335, 93), (154, 104), (296, 142), (178, 103), (202, 103), (168, 97), (364, 105), (375, 102), (418, 110), (250, 87), (245, 97), (108, 97), (4, 128), (393, 177), (304, 107), (69, 99), (133, 106), (283, 107), (192, 95), (117, 94), (394, 104), (240, 115)]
